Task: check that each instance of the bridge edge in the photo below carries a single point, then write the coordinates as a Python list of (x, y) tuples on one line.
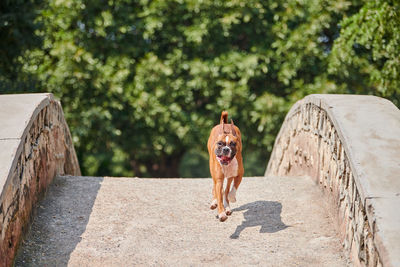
[(36, 150), (312, 128)]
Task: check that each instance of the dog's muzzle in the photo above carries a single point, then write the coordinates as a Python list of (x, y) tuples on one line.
[(225, 156), (226, 151)]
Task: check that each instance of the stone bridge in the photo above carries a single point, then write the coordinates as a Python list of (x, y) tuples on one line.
[(329, 196)]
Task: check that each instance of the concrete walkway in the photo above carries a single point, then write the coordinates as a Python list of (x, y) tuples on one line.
[(96, 221)]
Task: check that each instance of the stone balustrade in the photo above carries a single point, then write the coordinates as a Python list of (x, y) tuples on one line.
[(35, 146), (350, 145)]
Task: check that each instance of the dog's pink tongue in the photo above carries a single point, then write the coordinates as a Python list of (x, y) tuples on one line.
[(224, 158)]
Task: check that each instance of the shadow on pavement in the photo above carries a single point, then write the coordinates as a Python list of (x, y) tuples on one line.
[(59, 222), (266, 214)]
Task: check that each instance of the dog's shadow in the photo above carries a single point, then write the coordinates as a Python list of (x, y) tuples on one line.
[(266, 214)]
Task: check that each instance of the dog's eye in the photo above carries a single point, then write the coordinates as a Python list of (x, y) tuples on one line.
[(220, 143), (232, 144)]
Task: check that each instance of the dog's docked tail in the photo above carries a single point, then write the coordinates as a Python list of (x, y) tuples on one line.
[(224, 117)]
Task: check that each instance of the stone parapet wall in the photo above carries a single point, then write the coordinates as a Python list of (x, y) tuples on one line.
[(35, 146), (327, 138)]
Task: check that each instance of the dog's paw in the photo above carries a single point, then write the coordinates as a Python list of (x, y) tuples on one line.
[(213, 204), (232, 196), (228, 212), (222, 217)]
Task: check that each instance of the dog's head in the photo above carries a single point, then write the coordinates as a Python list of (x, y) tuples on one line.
[(227, 144)]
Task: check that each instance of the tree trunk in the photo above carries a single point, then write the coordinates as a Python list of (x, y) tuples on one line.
[(166, 166)]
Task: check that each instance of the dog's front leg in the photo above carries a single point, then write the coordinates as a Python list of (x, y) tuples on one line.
[(214, 197), (221, 209), (228, 210), (236, 183)]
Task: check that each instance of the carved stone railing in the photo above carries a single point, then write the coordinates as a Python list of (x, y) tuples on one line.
[(35, 146), (350, 145)]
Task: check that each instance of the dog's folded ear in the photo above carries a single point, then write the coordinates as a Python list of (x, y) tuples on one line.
[(233, 128)]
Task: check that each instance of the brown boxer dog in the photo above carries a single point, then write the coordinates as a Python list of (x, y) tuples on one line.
[(225, 150)]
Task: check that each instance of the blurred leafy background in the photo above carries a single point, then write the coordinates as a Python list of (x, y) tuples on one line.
[(142, 82)]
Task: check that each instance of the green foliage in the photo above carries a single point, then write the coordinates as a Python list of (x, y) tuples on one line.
[(368, 51), (17, 26), (143, 82), (194, 164), (17, 34)]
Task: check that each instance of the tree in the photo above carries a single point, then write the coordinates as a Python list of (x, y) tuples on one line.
[(366, 57), (143, 82), (17, 34)]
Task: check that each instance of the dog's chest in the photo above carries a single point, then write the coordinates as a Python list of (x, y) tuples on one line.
[(230, 170)]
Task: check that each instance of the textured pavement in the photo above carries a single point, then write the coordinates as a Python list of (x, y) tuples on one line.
[(104, 221)]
